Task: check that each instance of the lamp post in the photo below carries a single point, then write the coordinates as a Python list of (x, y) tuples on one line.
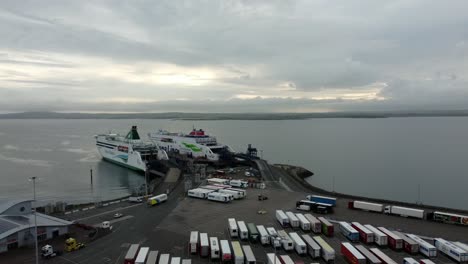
[(146, 181), (33, 179)]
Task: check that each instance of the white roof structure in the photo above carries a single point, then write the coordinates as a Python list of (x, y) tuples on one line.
[(16, 215)]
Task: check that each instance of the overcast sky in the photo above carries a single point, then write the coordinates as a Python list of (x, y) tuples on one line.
[(233, 56)]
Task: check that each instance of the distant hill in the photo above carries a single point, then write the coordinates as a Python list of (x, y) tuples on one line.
[(229, 116)]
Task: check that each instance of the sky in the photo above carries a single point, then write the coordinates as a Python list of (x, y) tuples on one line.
[(233, 56)]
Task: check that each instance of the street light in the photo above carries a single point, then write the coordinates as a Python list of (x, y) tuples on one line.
[(33, 179)]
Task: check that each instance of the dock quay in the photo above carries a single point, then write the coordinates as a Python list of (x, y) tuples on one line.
[(166, 227)]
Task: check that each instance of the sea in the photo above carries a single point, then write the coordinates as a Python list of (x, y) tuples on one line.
[(415, 159)]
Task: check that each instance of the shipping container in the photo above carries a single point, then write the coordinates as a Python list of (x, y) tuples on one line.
[(382, 256), (299, 245), (273, 259), (243, 232), (328, 253), (282, 218), (426, 261), (293, 221), (236, 194), (193, 243), (312, 247), (371, 258), (199, 193), (253, 232), (425, 247), (142, 254), (322, 199), (175, 260), (220, 197), (131, 254), (285, 259), (233, 230), (214, 248), (454, 252), (242, 191), (380, 238), (249, 256), (404, 211), (204, 245), (152, 257), (226, 255), (264, 237), (365, 235), (394, 242), (238, 254), (315, 224), (164, 259), (409, 245), (218, 181), (410, 261), (286, 241), (239, 183), (327, 227), (352, 254), (275, 240), (303, 222), (450, 218), (365, 206), (348, 231)]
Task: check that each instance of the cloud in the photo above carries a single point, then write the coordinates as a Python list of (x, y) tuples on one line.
[(200, 55)]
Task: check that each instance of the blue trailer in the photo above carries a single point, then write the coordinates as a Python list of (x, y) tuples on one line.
[(349, 232), (322, 199)]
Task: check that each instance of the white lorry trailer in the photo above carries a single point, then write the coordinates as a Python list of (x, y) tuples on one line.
[(303, 222), (425, 248), (204, 245), (249, 255), (236, 194), (404, 211), (272, 258), (299, 245), (199, 193), (365, 206), (214, 248), (454, 252), (328, 253), (282, 218), (233, 230), (286, 241), (264, 237), (226, 254), (243, 231), (380, 238), (220, 197), (275, 240), (193, 243), (293, 221), (238, 253)]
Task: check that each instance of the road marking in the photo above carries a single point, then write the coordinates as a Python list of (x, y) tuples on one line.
[(68, 260), (107, 212), (116, 220)]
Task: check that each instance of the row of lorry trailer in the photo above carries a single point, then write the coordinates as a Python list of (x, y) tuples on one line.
[(314, 246), (218, 193), (324, 205), (143, 255), (369, 234), (437, 216)]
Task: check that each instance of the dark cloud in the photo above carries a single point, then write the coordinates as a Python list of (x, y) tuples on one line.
[(203, 55)]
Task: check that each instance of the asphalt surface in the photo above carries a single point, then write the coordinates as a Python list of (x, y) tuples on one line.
[(167, 227)]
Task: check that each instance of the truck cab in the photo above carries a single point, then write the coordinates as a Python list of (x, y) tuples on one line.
[(388, 209)]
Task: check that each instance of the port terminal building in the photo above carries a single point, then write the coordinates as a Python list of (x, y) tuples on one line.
[(17, 225)]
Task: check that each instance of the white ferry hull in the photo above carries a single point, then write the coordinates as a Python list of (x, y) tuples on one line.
[(131, 160)]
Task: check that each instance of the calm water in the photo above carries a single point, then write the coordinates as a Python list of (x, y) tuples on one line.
[(387, 158)]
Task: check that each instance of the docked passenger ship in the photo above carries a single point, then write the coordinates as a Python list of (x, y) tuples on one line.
[(128, 151), (196, 144)]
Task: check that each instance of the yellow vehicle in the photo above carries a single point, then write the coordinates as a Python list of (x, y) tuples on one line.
[(72, 245)]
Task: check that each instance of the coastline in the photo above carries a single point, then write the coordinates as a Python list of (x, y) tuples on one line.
[(290, 170)]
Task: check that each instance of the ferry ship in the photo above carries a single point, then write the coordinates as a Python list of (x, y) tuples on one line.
[(196, 144), (128, 151)]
